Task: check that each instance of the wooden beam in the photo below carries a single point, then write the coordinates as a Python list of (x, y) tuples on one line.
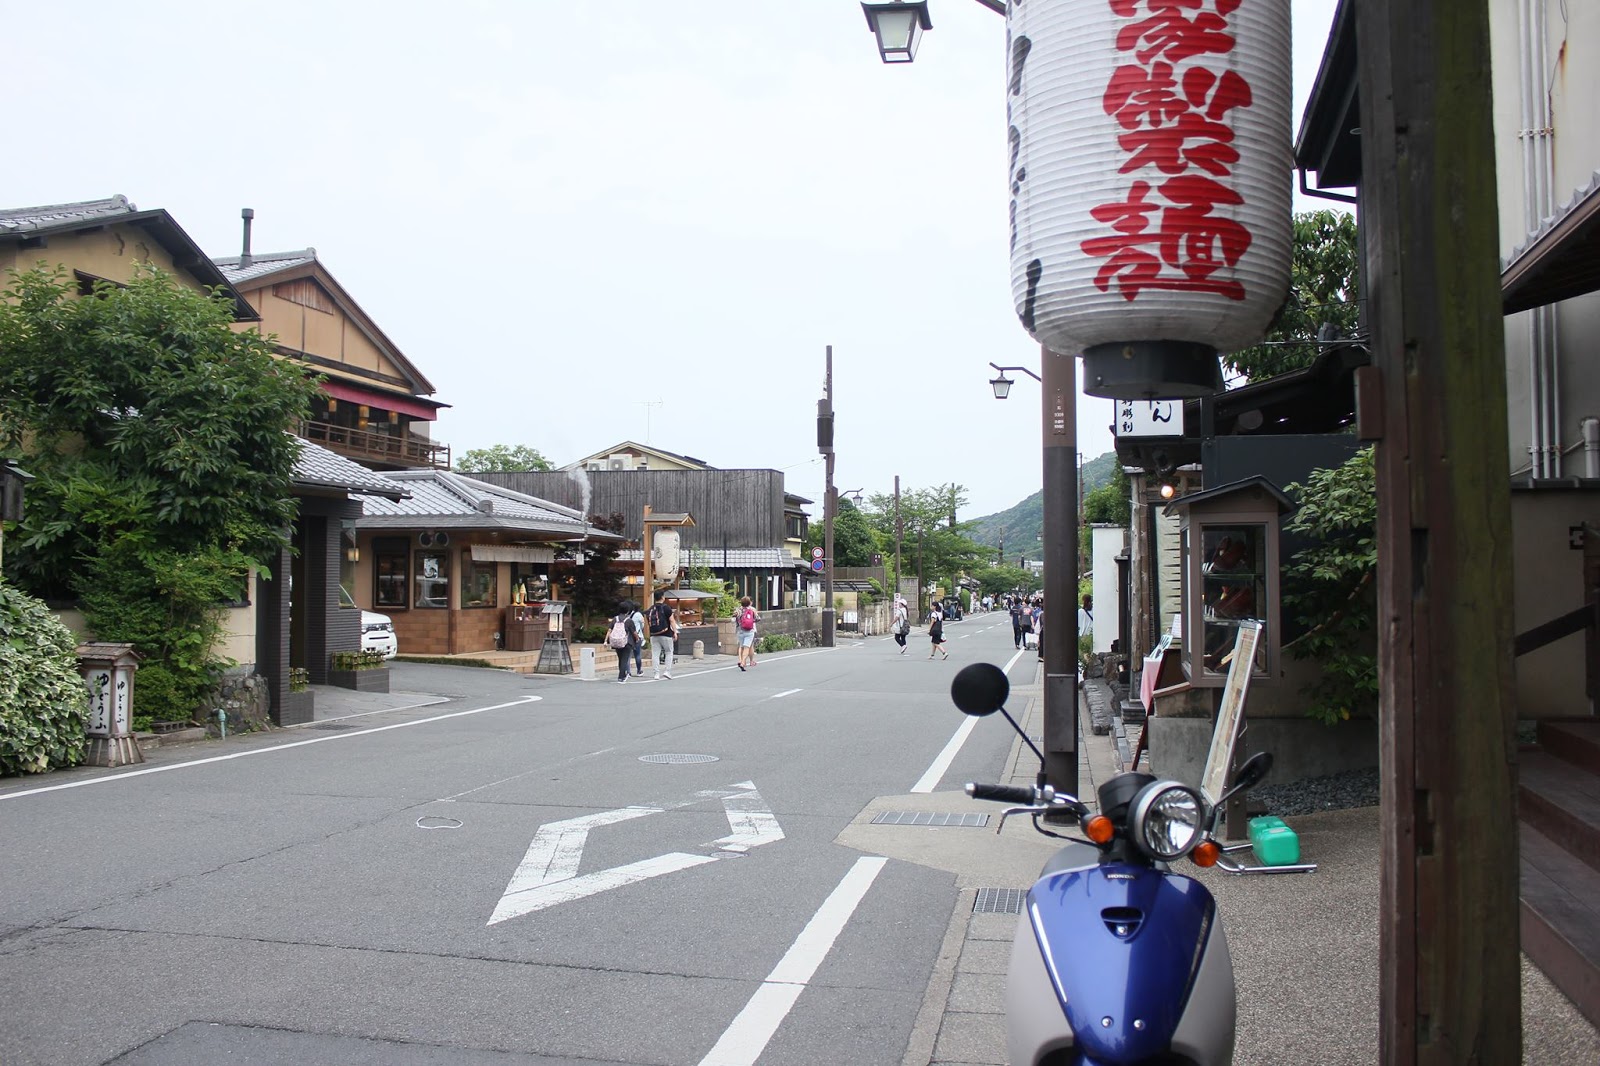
[(1449, 974)]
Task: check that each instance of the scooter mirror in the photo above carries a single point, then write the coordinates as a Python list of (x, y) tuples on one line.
[(1251, 773), (980, 689)]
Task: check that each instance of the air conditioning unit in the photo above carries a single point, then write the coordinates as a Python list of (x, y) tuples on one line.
[(618, 464), (433, 540)]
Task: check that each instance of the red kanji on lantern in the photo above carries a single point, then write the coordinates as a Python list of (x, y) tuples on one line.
[(1169, 34), (1187, 237)]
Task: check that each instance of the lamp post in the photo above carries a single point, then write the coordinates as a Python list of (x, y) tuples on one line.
[(1059, 647), (830, 502)]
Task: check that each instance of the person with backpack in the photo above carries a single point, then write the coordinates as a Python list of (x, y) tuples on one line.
[(636, 630), (663, 636), (936, 631), (1019, 621), (744, 624), (622, 638)]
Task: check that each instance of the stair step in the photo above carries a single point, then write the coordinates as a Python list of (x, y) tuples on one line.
[(1562, 802), (1560, 919), (1576, 741)]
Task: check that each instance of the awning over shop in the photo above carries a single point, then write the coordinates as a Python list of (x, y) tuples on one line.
[(512, 553), (1559, 260), (389, 401)]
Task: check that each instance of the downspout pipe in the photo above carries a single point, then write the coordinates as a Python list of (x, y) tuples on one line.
[(1591, 447)]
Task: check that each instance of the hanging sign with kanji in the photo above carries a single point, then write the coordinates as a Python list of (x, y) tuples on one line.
[(1150, 169)]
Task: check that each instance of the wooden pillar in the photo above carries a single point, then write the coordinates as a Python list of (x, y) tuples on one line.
[(1449, 976)]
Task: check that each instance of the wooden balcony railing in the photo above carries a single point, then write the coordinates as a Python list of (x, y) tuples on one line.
[(364, 445)]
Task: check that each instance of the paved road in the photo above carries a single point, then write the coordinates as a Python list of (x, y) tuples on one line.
[(508, 871)]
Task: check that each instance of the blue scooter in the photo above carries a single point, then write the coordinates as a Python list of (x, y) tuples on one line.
[(1116, 959)]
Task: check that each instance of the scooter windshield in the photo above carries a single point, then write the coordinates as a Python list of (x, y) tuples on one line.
[(1122, 945)]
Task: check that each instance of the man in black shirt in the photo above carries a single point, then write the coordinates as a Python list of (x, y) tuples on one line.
[(663, 635)]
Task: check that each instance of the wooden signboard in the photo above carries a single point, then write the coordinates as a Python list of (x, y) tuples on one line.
[(1230, 718)]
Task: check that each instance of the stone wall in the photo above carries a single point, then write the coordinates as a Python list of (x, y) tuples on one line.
[(804, 624), (247, 701)]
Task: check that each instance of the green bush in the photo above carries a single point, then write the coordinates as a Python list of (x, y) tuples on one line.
[(357, 660), (43, 701), (158, 693), (590, 634), (776, 642)]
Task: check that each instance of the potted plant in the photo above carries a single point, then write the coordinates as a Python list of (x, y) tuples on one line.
[(363, 671)]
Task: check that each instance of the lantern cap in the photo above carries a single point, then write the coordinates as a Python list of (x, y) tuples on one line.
[(111, 654)]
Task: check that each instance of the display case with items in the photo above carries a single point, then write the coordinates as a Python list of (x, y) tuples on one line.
[(1230, 571)]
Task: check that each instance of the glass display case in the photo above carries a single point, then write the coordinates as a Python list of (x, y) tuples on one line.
[(1230, 572)]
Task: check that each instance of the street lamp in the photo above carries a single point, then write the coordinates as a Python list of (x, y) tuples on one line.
[(898, 27), (1002, 384)]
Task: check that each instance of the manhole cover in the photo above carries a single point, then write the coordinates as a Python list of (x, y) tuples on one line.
[(970, 821), (999, 901), (677, 759)]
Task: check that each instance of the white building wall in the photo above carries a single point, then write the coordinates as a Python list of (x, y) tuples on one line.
[(1106, 543)]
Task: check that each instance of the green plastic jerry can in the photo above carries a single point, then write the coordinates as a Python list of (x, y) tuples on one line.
[(1273, 842)]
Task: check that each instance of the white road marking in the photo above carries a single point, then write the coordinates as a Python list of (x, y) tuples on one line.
[(747, 1037), (1013, 660), (548, 873), (930, 780), (264, 751), (785, 692)]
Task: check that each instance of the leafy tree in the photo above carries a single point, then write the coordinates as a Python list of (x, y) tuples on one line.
[(932, 532), (996, 580), (42, 705), (1323, 290), (854, 541), (595, 588), (1329, 586), (1110, 503), (158, 437), (502, 458)]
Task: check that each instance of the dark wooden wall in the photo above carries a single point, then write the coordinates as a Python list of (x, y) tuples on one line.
[(731, 508)]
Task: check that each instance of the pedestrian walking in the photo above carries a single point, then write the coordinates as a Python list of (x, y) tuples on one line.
[(1038, 627), (621, 638), (663, 636), (901, 627), (1019, 620), (936, 632), (745, 620), (636, 626)]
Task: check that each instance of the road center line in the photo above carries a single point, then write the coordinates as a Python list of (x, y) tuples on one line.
[(264, 751), (785, 692), (930, 780), (747, 1037)]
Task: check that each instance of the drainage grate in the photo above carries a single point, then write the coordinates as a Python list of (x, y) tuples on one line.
[(678, 759), (999, 901), (966, 821)]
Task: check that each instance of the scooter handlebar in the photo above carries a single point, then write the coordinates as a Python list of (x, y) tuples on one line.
[(1002, 793)]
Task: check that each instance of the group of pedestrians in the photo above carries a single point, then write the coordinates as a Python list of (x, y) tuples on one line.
[(1027, 621), (630, 625), (900, 627)]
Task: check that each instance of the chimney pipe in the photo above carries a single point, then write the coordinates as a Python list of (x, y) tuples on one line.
[(244, 256)]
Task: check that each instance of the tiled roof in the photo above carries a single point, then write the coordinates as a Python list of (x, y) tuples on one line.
[(269, 263), (736, 558), (441, 499), (21, 219), (319, 467)]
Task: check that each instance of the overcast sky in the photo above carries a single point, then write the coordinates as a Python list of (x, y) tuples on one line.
[(588, 222)]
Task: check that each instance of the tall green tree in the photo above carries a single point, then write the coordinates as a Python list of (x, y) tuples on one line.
[(502, 458), (1328, 587), (595, 588), (1110, 503), (158, 437), (933, 532), (1324, 290), (854, 540)]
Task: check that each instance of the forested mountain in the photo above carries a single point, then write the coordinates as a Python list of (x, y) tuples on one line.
[(1018, 529)]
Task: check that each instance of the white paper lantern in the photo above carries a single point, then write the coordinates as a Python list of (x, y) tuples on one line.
[(1150, 176)]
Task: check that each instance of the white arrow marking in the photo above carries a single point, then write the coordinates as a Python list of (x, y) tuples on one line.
[(548, 873)]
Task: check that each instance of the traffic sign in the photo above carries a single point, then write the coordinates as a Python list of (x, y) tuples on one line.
[(818, 565), (816, 553)]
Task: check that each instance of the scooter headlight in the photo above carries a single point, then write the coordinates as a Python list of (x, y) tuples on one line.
[(1167, 820)]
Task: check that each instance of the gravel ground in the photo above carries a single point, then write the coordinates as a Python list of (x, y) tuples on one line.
[(1336, 792)]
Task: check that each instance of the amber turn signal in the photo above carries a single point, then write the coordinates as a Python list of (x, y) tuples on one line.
[(1205, 853), (1099, 829)]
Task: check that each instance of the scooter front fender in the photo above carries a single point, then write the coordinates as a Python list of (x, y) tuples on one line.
[(1122, 963)]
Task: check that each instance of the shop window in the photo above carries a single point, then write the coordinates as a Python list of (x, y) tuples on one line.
[(433, 579), (532, 579), (477, 582), (390, 564)]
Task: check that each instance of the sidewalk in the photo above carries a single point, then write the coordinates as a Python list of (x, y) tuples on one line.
[(1305, 950)]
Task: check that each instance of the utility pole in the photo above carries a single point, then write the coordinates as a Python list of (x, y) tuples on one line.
[(829, 503), (1435, 401), (1060, 645), (899, 532)]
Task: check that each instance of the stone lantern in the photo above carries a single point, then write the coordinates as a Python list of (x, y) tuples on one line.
[(108, 671)]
